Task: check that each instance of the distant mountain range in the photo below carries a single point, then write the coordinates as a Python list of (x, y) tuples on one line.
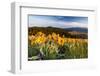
[(77, 29)]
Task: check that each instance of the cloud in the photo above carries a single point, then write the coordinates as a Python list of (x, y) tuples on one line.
[(55, 23), (76, 24)]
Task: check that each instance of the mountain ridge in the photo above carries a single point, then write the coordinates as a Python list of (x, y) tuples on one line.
[(67, 32)]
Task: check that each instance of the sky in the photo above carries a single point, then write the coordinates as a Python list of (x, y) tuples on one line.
[(57, 21)]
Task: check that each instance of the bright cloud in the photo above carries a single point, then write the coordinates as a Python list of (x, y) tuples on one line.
[(75, 24)]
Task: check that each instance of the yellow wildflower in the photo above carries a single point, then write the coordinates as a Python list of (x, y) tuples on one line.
[(61, 41)]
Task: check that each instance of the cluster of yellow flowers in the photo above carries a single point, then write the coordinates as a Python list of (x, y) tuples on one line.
[(56, 38), (40, 38)]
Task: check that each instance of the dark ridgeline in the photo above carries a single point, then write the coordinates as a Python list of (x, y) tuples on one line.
[(67, 32)]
